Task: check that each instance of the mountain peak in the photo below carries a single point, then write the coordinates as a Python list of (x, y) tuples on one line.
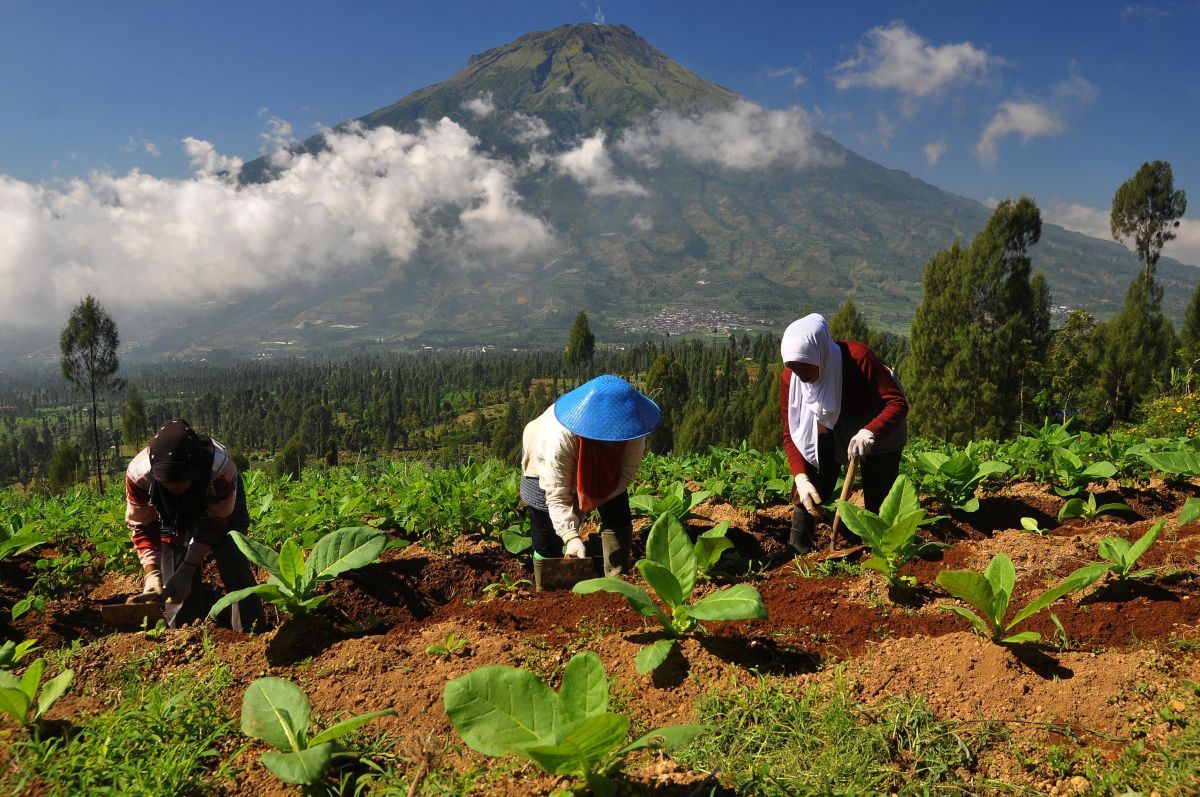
[(577, 78)]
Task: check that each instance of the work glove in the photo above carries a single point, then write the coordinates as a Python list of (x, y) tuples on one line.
[(179, 586), (861, 445), (575, 548), (152, 588), (808, 495)]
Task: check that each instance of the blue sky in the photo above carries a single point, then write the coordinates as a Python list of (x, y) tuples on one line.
[(1061, 101)]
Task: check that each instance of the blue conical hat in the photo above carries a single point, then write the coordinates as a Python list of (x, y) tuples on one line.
[(607, 408)]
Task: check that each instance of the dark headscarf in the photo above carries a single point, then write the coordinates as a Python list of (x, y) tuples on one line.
[(178, 454)]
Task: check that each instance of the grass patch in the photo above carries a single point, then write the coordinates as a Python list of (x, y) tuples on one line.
[(161, 738), (768, 740)]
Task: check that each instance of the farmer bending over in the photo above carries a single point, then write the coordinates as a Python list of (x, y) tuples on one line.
[(838, 403), (183, 495), (581, 454)]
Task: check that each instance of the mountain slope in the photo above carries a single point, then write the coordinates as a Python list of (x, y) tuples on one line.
[(761, 244)]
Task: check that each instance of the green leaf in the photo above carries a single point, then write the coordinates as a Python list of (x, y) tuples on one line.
[(1076, 581), (901, 500), (52, 690), (1024, 636), (498, 709), (664, 738), (345, 549), (1100, 470), (270, 592), (979, 626), (663, 582), (709, 549), (1115, 550), (1190, 512), (516, 542), (1073, 508), (291, 564), (972, 588), (866, 525), (258, 554), (15, 703), (879, 565), (1029, 524), (668, 545), (637, 597), (32, 677), (302, 767), (582, 748), (584, 689), (651, 656), (276, 711), (971, 505), (739, 602), (1143, 544), (344, 727), (642, 504)]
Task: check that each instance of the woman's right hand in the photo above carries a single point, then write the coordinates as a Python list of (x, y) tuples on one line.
[(808, 495), (575, 548)]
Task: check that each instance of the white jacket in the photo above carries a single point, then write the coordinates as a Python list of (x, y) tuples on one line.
[(550, 453)]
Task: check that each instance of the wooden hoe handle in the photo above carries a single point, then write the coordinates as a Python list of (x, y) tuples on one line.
[(847, 488)]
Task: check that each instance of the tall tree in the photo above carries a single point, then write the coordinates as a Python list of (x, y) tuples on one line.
[(1072, 360), (89, 358), (1189, 337), (581, 343), (667, 384), (979, 323), (1141, 340), (133, 420), (848, 324)]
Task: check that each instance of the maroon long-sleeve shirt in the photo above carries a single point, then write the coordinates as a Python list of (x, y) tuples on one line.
[(871, 400)]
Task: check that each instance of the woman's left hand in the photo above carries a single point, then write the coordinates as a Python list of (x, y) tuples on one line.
[(861, 444)]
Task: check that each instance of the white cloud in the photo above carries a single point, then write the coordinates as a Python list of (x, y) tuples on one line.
[(1025, 118), (934, 151), (151, 149), (793, 75), (481, 106), (529, 128), (744, 136), (278, 135), (1096, 223), (642, 222), (897, 59), (591, 165), (159, 247)]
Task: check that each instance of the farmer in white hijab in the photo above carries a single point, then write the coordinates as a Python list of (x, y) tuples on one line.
[(837, 402)]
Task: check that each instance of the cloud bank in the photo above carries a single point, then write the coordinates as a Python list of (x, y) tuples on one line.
[(159, 247), (591, 165), (897, 59), (1025, 118), (743, 137), (1096, 223)]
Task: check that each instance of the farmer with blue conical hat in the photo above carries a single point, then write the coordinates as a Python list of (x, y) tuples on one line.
[(581, 454)]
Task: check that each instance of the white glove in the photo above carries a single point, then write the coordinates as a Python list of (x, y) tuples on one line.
[(179, 586), (575, 548), (153, 585), (808, 495), (861, 445)]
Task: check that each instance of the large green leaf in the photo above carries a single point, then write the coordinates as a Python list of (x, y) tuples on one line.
[(277, 712), (583, 748), (15, 703), (978, 625), (584, 689), (302, 767), (1001, 574), (739, 602), (1190, 512), (52, 690), (345, 549), (1115, 550), (291, 564), (867, 525), (270, 592), (669, 545), (499, 709), (650, 657), (1100, 470), (901, 500), (1144, 542), (1076, 581), (344, 727), (663, 581), (638, 598), (1174, 463), (258, 554), (972, 588)]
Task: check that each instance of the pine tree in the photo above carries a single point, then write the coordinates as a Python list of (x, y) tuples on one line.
[(581, 343), (64, 467), (1072, 361), (133, 419), (667, 384), (848, 324), (1189, 337), (506, 435), (89, 358), (1141, 340)]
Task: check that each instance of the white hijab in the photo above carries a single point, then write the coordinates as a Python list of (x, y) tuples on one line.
[(809, 403)]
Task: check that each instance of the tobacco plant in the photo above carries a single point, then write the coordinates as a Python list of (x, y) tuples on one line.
[(26, 698), (1089, 509), (671, 568), (292, 579), (891, 535), (501, 711), (676, 502), (989, 593), (953, 479), (1070, 475), (12, 652), (1121, 557), (1179, 464), (277, 712)]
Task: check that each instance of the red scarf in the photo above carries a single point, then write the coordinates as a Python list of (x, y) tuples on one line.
[(598, 472)]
